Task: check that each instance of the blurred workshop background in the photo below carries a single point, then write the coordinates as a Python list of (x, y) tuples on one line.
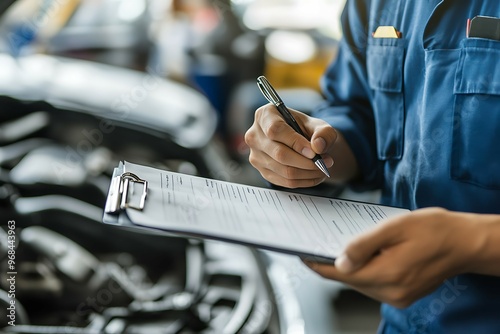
[(169, 83)]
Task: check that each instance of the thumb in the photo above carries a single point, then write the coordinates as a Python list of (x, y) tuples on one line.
[(344, 264), (323, 138), (363, 248)]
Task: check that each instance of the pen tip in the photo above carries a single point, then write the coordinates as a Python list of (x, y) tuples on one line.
[(321, 165)]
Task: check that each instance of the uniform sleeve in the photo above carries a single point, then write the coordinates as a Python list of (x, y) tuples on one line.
[(345, 85)]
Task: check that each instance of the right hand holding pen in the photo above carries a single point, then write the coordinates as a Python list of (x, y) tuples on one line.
[(281, 155)]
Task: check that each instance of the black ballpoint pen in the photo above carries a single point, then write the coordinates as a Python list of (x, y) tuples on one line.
[(270, 94)]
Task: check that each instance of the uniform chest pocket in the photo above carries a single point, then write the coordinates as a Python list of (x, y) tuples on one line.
[(385, 77), (476, 117)]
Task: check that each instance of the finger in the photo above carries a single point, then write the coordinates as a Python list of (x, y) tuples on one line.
[(366, 246), (284, 161), (287, 156), (276, 129), (282, 175), (282, 181), (326, 270), (264, 152), (380, 280), (280, 153), (291, 184), (323, 138), (373, 273), (322, 135)]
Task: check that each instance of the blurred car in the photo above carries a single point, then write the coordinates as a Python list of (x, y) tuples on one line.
[(92, 90), (64, 125)]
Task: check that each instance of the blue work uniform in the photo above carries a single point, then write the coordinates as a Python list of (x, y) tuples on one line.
[(422, 116)]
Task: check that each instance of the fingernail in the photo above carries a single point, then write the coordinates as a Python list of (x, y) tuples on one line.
[(344, 264), (320, 144), (328, 162), (308, 153)]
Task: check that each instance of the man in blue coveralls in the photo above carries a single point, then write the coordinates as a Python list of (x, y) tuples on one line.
[(417, 115)]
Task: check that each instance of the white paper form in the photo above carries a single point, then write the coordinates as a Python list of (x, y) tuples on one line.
[(272, 219)]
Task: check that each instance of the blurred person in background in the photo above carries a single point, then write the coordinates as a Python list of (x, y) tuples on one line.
[(414, 113), (203, 43)]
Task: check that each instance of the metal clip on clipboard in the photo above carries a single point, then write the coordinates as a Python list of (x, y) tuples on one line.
[(118, 198)]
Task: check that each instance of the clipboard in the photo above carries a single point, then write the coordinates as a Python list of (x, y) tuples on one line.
[(117, 203), (180, 205), (113, 209)]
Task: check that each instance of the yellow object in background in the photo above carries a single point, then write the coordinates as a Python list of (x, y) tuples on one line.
[(57, 15), (306, 74), (45, 17)]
